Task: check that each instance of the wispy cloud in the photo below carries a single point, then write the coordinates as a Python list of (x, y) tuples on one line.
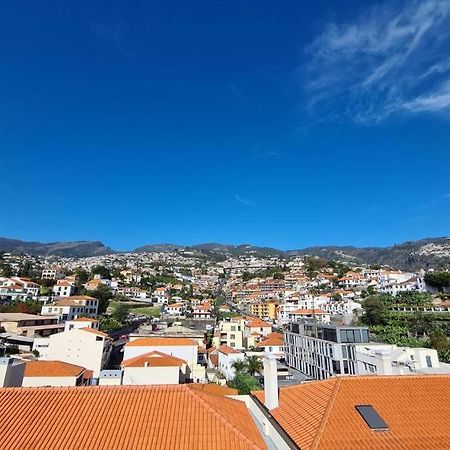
[(113, 33), (235, 91), (388, 61), (265, 152), (244, 201)]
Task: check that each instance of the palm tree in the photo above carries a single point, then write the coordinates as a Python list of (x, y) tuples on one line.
[(239, 365), (254, 365)]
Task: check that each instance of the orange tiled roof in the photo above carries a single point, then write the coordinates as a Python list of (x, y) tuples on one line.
[(258, 323), (91, 330), (272, 341), (153, 359), (160, 341), (227, 350), (81, 297), (322, 414), (309, 311), (85, 319), (213, 389), (52, 369), (132, 417)]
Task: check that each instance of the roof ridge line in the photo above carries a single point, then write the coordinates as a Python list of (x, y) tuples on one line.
[(222, 419), (323, 422)]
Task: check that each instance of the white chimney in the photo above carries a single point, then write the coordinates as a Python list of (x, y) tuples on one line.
[(270, 381)]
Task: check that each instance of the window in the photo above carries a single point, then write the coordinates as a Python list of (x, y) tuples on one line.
[(429, 363)]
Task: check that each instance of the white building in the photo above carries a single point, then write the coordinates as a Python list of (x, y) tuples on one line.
[(54, 373), (52, 274), (85, 347), (11, 372), (154, 368), (273, 344), (63, 288), (82, 322), (182, 348), (317, 315), (72, 307), (386, 359), (227, 357), (175, 309), (321, 350)]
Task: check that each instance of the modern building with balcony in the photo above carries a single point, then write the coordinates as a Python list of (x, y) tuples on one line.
[(322, 350)]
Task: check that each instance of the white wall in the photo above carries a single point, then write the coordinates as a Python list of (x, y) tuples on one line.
[(226, 363), (76, 347), (48, 381), (187, 352), (151, 375)]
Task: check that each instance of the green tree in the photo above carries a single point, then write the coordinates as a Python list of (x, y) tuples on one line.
[(103, 294), (239, 365), (375, 311), (82, 277), (439, 280), (102, 271), (254, 365), (120, 312), (244, 383), (6, 271)]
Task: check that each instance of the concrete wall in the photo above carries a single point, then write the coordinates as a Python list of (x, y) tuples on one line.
[(11, 372), (77, 347), (48, 381), (151, 375)]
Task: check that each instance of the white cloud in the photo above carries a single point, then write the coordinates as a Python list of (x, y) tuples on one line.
[(244, 201), (388, 61)]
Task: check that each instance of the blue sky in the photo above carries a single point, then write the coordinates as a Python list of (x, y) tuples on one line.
[(286, 125)]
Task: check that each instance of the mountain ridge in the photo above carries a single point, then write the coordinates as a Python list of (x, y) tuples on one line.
[(409, 255)]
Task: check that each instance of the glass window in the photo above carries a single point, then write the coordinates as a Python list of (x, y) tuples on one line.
[(428, 358)]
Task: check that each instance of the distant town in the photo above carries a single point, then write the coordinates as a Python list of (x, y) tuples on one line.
[(262, 329)]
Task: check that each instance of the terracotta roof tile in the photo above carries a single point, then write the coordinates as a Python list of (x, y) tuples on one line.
[(119, 417), (91, 330), (213, 389), (154, 359), (272, 341), (52, 369), (85, 319), (227, 350), (322, 414), (160, 341), (258, 323), (309, 311)]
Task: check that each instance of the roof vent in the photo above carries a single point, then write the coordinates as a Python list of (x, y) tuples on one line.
[(371, 417)]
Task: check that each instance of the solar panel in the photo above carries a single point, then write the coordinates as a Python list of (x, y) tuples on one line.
[(371, 417)]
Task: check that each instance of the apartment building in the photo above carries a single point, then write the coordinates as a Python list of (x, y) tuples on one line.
[(70, 308), (52, 274), (321, 350), (30, 325), (264, 310), (229, 333), (63, 288), (86, 347)]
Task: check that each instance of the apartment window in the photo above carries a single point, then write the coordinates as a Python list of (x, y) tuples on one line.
[(428, 359), (233, 328), (232, 336)]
